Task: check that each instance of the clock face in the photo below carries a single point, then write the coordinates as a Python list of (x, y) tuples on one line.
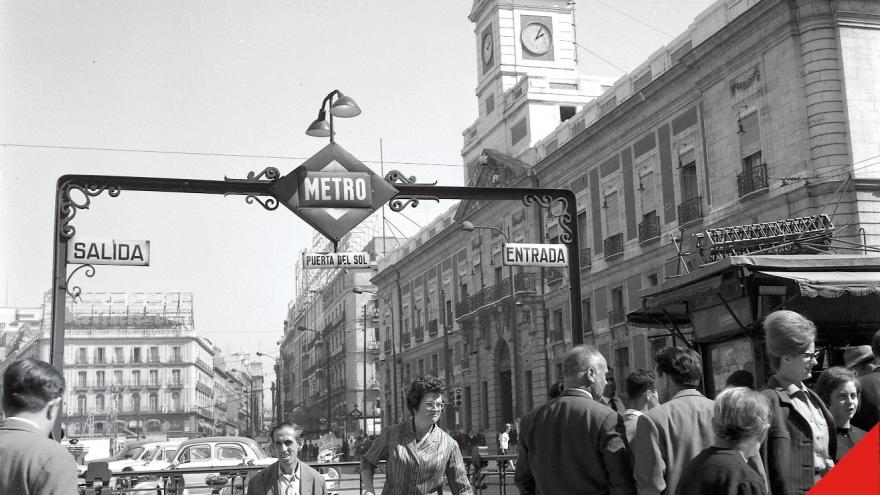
[(536, 38), (488, 48)]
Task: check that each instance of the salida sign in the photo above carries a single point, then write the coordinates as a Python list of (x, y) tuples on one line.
[(108, 252), (332, 191)]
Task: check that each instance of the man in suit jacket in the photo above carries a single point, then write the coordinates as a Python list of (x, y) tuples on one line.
[(671, 434), (868, 413), (575, 444), (283, 476), (30, 462)]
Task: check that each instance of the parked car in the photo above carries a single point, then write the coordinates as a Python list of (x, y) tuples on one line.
[(209, 454)]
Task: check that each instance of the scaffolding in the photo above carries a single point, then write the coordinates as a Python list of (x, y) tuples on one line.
[(131, 310)]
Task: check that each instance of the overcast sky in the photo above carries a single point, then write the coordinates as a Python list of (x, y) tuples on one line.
[(207, 89)]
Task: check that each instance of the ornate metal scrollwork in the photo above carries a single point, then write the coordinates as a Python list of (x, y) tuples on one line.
[(270, 203), (271, 173), (69, 205), (565, 218), (76, 290), (402, 200)]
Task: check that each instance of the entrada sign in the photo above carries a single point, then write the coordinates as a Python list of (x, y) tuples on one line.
[(534, 254), (108, 252), (335, 260)]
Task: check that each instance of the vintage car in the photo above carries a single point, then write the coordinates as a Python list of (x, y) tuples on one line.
[(211, 454)]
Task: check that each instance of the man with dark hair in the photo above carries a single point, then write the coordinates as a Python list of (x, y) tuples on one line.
[(641, 395), (575, 444), (671, 434), (868, 413), (609, 395), (30, 462), (288, 475)]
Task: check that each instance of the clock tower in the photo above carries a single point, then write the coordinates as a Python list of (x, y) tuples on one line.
[(527, 80)]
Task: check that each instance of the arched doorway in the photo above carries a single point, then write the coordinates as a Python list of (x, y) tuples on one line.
[(503, 385)]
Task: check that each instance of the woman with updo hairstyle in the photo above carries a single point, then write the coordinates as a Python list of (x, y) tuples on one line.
[(841, 391), (417, 451), (801, 444), (741, 421)]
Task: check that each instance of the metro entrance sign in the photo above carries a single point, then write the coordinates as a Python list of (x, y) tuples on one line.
[(332, 191)]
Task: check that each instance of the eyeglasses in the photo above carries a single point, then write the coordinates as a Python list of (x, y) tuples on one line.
[(812, 355), (434, 406)]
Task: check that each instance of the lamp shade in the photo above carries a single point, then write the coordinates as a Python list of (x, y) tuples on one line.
[(320, 127), (344, 107)]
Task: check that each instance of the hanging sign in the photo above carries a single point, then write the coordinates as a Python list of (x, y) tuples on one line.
[(534, 254), (335, 260), (108, 252)]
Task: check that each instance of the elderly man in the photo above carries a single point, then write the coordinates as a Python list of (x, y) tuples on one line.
[(288, 475), (575, 444), (869, 413), (30, 462), (671, 434)]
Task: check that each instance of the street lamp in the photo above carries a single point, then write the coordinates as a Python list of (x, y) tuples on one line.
[(358, 290), (343, 107), (320, 338), (470, 227), (277, 410)]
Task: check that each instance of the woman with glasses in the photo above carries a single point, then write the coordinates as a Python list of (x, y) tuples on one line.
[(417, 452), (801, 444), (741, 420), (840, 390)]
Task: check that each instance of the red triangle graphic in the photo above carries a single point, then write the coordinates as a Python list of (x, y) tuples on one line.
[(858, 472)]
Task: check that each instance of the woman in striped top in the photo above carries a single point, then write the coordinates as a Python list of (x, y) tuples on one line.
[(417, 452)]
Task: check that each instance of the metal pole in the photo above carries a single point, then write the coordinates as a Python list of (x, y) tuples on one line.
[(327, 372), (365, 369)]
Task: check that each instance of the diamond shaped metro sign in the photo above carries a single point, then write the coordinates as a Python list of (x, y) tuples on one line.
[(332, 191)]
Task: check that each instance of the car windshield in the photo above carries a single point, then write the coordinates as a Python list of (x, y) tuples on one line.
[(132, 453)]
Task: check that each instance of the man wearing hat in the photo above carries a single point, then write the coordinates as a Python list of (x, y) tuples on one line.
[(869, 411), (859, 359)]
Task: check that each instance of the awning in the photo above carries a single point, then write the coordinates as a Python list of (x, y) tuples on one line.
[(832, 284)]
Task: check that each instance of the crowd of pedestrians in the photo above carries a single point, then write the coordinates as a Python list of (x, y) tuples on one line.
[(671, 439)]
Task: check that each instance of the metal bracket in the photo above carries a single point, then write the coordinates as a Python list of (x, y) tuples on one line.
[(271, 174), (77, 290), (69, 206), (565, 218), (402, 199)]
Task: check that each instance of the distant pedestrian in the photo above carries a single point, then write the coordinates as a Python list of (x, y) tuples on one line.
[(504, 445), (418, 452), (869, 413), (641, 395), (801, 445), (556, 389), (575, 444), (859, 359), (741, 421), (30, 462), (671, 434), (839, 388), (740, 378), (609, 395)]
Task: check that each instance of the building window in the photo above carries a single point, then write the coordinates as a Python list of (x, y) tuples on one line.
[(99, 379), (100, 356), (117, 377), (135, 401), (518, 132), (154, 354), (566, 112), (136, 355), (490, 104), (530, 391), (621, 361), (81, 378), (99, 403), (435, 366), (81, 357), (136, 378), (154, 402), (754, 172), (613, 243), (175, 401), (176, 355), (175, 377), (81, 404), (154, 378), (587, 314), (484, 405), (618, 311), (117, 355)]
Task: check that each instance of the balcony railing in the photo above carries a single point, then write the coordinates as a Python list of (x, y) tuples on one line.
[(406, 339), (586, 258), (419, 333), (556, 336), (554, 275), (649, 228), (752, 179), (690, 209), (387, 346), (465, 364), (432, 328), (525, 283), (616, 316), (613, 245), (175, 384)]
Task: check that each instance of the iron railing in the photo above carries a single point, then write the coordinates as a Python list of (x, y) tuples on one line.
[(613, 245), (586, 258), (525, 282), (690, 209), (649, 228), (752, 179)]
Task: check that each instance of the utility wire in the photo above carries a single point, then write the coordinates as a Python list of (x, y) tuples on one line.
[(600, 2), (196, 153), (612, 64)]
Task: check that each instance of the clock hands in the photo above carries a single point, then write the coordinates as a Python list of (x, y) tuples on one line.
[(540, 34)]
